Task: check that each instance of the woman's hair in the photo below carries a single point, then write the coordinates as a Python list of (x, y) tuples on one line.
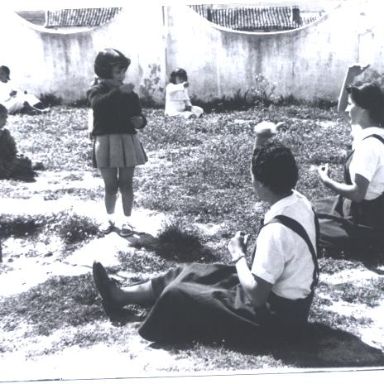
[(3, 110), (369, 96), (107, 59), (179, 72), (274, 166)]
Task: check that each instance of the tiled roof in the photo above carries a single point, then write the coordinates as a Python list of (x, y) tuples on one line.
[(82, 17), (253, 19)]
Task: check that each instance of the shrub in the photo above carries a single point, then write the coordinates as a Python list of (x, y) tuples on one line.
[(21, 226), (50, 100), (73, 228), (80, 103), (263, 93), (175, 242)]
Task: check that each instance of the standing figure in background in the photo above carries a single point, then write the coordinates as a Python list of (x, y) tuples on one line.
[(15, 100), (177, 101), (117, 150)]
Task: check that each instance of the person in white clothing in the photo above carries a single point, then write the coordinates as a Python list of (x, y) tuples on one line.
[(15, 100), (355, 222), (177, 101)]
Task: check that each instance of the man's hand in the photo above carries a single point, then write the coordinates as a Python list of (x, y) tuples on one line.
[(266, 129), (356, 70), (137, 121), (237, 246), (127, 88), (323, 172)]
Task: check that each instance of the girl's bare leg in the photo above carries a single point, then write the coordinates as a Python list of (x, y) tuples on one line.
[(126, 189)]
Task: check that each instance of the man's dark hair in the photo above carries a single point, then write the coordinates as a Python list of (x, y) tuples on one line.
[(274, 166)]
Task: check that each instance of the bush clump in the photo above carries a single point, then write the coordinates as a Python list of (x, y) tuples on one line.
[(73, 228), (182, 245)]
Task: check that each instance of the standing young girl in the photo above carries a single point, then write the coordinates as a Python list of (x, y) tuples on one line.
[(177, 101), (116, 117)]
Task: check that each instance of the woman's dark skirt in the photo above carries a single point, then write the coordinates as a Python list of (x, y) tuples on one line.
[(207, 302), (349, 226)]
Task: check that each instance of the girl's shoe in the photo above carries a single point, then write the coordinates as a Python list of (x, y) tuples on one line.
[(107, 226), (126, 230)]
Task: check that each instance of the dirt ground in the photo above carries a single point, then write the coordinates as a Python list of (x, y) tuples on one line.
[(45, 272)]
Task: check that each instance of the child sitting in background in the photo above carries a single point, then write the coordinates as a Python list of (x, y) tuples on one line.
[(17, 101), (12, 165), (177, 101)]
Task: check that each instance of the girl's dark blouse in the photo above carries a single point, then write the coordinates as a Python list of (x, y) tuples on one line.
[(113, 109)]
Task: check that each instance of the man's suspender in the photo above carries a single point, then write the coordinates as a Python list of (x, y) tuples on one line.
[(378, 137), (299, 229)]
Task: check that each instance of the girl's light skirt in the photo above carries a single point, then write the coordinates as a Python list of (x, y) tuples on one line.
[(118, 151)]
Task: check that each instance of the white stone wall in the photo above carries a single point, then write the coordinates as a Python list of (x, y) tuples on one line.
[(308, 63)]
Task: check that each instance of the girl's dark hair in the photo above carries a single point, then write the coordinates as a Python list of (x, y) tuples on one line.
[(3, 110), (369, 96), (275, 167), (179, 72), (107, 59)]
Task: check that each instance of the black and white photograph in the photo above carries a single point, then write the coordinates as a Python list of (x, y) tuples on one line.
[(191, 190)]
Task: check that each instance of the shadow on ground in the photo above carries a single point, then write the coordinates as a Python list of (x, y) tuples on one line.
[(322, 347), (63, 301)]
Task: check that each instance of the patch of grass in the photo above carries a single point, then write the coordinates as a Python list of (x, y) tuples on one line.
[(58, 302), (56, 139), (71, 227), (143, 262), (370, 294), (50, 100), (320, 314), (21, 226), (177, 243)]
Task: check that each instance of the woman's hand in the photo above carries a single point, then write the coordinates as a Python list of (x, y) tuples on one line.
[(237, 246), (264, 131), (137, 122), (127, 88), (323, 173), (356, 70)]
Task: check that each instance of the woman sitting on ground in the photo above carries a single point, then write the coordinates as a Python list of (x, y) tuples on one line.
[(356, 219), (177, 101), (235, 302)]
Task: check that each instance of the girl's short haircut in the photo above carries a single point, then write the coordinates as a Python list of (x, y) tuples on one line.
[(107, 59), (179, 72), (3, 110), (369, 96), (275, 167)]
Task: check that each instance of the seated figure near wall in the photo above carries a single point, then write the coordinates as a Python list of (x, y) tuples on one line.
[(15, 100), (177, 101)]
